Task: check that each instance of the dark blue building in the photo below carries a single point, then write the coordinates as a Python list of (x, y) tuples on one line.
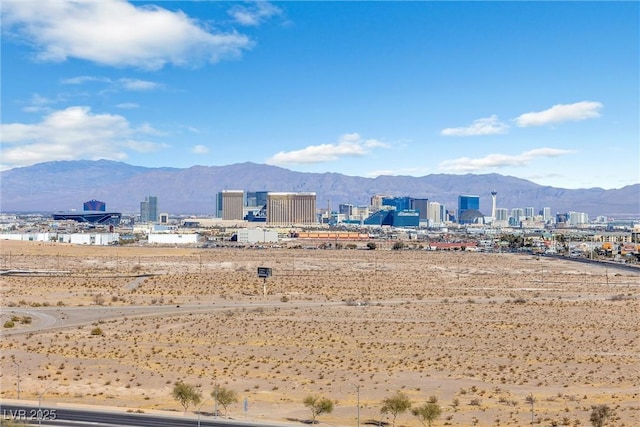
[(92, 217), (469, 209), (394, 218), (400, 203), (95, 205)]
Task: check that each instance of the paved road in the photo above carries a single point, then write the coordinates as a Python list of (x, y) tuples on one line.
[(59, 416), (52, 318)]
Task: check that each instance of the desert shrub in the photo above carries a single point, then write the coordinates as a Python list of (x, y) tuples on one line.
[(397, 246), (97, 331), (9, 324)]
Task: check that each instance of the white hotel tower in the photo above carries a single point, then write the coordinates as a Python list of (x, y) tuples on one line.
[(494, 195)]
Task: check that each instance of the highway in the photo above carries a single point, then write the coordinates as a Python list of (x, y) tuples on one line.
[(60, 416)]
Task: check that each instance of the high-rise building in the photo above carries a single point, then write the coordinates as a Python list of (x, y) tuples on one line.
[(95, 205), (422, 206), (517, 215), (577, 218), (256, 198), (444, 215), (502, 214), (466, 203), (230, 204), (494, 195), (468, 209), (291, 208), (529, 212), (376, 202), (346, 210), (546, 215), (149, 209), (398, 203), (434, 213)]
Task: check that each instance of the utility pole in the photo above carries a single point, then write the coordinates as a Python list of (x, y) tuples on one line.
[(18, 366)]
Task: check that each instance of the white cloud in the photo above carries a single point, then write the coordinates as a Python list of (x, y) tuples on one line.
[(349, 145), (255, 14), (200, 149), (69, 134), (146, 128), (138, 85), (561, 113), (466, 164), (117, 33), (128, 105), (485, 126), (122, 84), (79, 80), (38, 103)]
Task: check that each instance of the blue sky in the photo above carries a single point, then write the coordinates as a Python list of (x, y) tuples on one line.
[(545, 91)]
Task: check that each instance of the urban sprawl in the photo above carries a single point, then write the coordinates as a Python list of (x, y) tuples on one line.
[(294, 219)]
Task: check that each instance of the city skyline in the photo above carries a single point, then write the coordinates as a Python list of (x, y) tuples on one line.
[(358, 88)]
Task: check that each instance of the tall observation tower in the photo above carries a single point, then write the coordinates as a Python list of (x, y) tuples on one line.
[(494, 194)]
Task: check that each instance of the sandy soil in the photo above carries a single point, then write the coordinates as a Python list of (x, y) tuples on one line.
[(478, 331)]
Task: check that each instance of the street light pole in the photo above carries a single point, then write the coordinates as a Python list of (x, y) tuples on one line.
[(215, 399), (200, 409), (40, 404), (18, 366), (357, 386)]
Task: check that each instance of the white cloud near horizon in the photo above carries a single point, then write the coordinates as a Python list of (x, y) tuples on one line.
[(117, 33), (349, 145), (255, 14), (71, 134), (484, 126), (560, 113), (466, 164), (200, 149)]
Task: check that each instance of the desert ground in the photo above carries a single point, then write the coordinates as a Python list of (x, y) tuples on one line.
[(479, 331)]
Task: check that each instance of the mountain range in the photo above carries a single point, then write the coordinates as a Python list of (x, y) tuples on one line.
[(65, 185)]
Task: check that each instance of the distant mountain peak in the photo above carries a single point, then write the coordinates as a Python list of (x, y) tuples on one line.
[(60, 185)]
